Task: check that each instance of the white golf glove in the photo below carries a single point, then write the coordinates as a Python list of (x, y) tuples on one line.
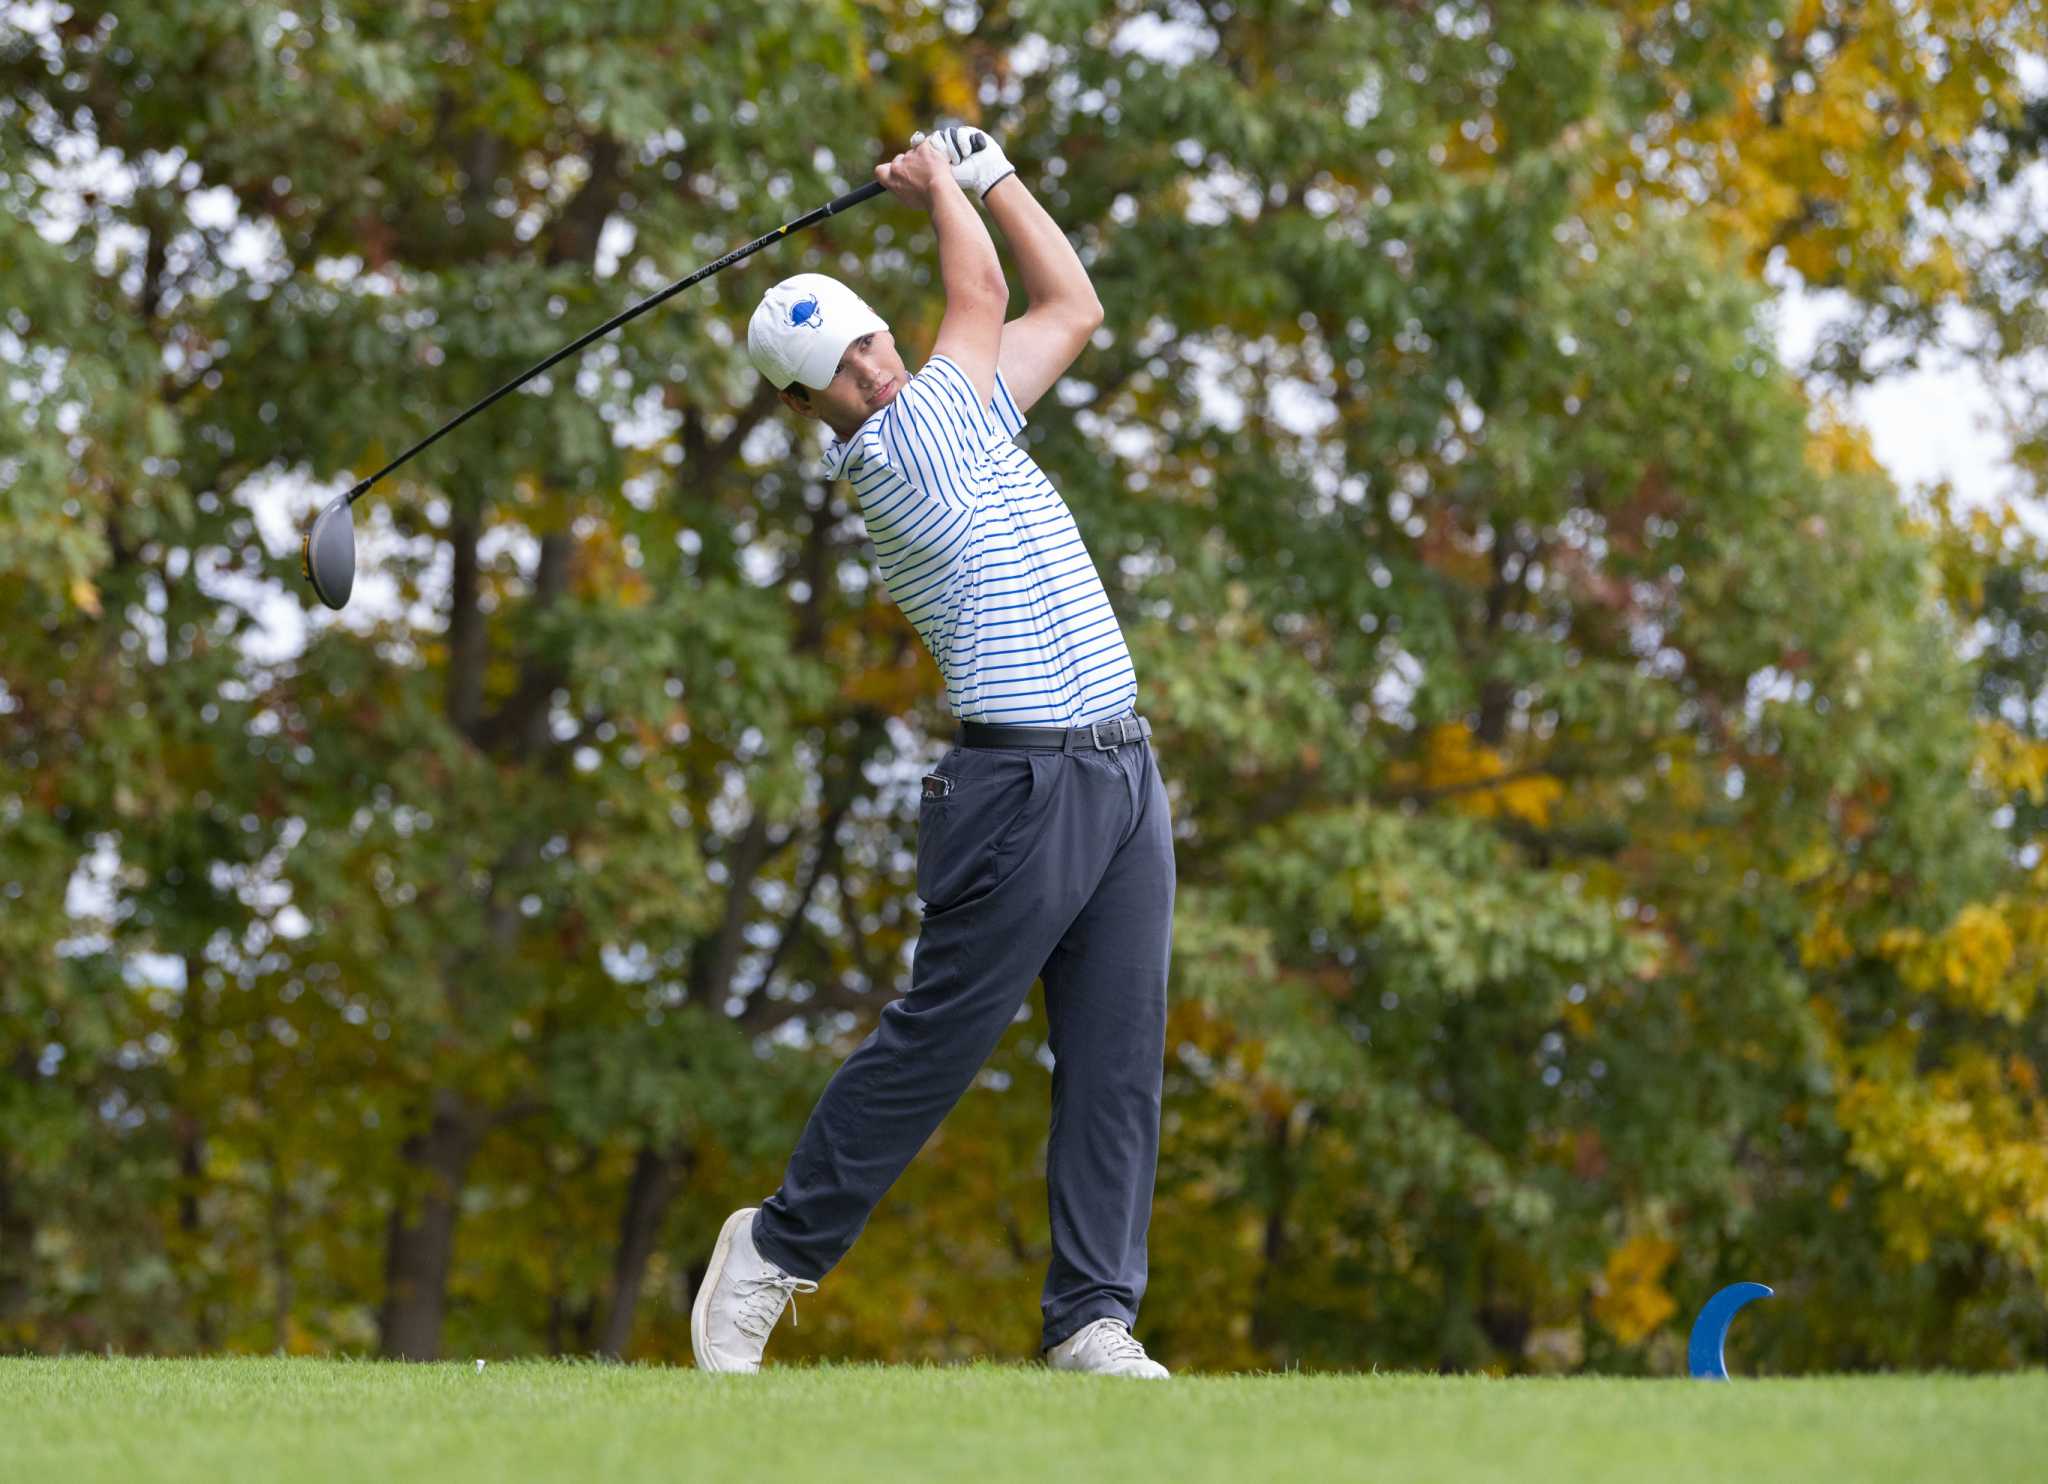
[(978, 161)]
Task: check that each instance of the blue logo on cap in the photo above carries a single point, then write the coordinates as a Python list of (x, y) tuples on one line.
[(806, 314)]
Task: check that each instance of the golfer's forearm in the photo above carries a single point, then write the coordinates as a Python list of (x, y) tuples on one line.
[(1046, 261), (968, 262)]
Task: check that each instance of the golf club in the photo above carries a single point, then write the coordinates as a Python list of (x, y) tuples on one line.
[(328, 556)]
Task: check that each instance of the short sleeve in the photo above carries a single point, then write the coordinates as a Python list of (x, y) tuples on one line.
[(1008, 415), (945, 385), (997, 419)]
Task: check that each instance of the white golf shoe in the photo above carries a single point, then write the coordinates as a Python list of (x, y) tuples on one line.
[(1108, 1348), (740, 1300)]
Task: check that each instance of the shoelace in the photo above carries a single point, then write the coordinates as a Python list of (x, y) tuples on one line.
[(762, 1299), (1119, 1343)]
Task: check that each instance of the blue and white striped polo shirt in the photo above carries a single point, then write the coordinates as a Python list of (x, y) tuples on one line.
[(981, 554)]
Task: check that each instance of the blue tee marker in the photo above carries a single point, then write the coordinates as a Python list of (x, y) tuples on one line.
[(1710, 1330)]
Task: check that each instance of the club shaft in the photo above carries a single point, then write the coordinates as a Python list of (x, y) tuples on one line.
[(838, 204)]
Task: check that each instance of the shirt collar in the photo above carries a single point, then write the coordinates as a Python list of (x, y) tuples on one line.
[(839, 452), (833, 464)]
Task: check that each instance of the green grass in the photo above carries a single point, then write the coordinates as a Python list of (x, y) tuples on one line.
[(86, 1418)]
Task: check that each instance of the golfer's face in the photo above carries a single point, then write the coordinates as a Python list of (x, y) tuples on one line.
[(869, 376)]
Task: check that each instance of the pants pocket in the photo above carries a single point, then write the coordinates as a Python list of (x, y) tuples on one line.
[(966, 840)]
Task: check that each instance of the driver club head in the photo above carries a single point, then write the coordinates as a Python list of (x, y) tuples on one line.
[(328, 557)]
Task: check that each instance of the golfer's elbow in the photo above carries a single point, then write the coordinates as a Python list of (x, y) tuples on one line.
[(982, 285)]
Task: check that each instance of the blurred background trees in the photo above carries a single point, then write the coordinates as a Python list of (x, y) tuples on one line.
[(1609, 816)]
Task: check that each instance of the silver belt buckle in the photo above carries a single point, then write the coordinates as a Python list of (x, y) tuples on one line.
[(1095, 735)]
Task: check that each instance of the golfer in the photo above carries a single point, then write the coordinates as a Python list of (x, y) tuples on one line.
[(1044, 843)]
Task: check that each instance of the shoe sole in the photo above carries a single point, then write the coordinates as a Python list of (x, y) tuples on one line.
[(1123, 1375), (702, 1306)]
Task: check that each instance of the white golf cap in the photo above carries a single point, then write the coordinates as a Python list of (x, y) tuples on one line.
[(802, 327)]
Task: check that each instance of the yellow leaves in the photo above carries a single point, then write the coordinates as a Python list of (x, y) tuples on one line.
[(1455, 763), (1629, 1299), (876, 664), (1191, 1023), (1825, 944), (945, 72), (1963, 1148), (1991, 957), (1529, 799), (1977, 955), (1812, 863), (298, 1340), (1989, 960), (86, 596), (1842, 136), (1687, 785), (605, 567), (954, 90), (1835, 446), (2009, 762), (898, 124), (1273, 1101), (1970, 544)]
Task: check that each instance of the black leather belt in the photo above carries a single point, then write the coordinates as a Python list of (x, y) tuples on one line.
[(1103, 736)]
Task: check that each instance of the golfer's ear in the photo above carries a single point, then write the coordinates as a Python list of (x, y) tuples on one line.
[(803, 406)]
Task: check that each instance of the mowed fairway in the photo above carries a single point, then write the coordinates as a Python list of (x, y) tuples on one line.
[(87, 1418)]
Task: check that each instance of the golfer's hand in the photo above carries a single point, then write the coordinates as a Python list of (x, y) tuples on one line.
[(915, 174), (978, 161)]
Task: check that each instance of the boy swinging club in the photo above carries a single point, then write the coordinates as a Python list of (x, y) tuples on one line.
[(1044, 841)]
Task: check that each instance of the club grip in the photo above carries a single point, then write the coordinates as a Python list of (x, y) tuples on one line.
[(854, 197)]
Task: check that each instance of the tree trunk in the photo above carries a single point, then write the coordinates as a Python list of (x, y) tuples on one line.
[(190, 1137), (1266, 1328), (469, 640), (280, 1257), (188, 1131), (689, 1278), (569, 1324), (17, 1242), (421, 1242), (17, 1222), (1460, 1342), (657, 1175)]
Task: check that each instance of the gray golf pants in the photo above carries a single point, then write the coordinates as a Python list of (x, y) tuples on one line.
[(1044, 862)]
